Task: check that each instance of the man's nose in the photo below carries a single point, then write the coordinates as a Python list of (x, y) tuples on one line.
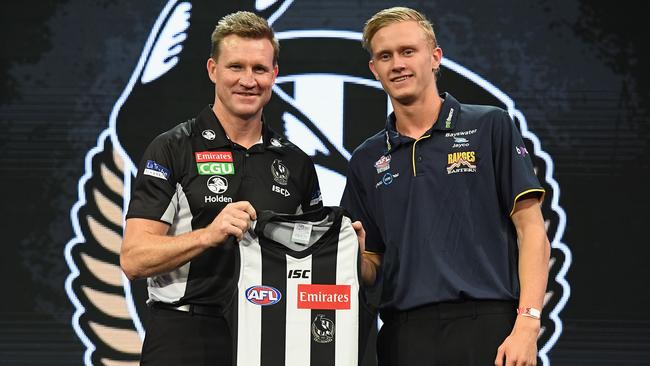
[(247, 79), (398, 63)]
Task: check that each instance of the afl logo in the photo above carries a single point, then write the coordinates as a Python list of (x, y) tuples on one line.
[(263, 295), (217, 184), (280, 172)]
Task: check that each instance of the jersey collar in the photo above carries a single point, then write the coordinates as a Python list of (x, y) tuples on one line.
[(211, 132), (447, 119)]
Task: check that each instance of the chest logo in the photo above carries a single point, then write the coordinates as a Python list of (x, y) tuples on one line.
[(387, 179), (214, 162), (322, 329), (208, 135), (383, 164), (324, 297), (461, 162), (263, 295), (275, 142), (283, 191), (521, 150), (217, 184), (280, 172)]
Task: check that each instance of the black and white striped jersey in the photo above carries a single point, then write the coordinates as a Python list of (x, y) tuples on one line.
[(191, 172), (299, 299)]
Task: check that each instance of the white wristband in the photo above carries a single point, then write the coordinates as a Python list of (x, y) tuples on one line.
[(530, 312)]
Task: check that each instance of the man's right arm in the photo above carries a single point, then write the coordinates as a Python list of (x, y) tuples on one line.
[(147, 250)]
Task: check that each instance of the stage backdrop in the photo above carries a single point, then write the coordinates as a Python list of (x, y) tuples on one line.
[(86, 84)]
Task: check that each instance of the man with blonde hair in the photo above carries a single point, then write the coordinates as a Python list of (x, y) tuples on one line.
[(449, 211), (198, 188)]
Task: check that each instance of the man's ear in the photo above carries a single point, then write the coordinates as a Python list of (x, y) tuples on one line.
[(371, 66), (211, 66), (436, 58)]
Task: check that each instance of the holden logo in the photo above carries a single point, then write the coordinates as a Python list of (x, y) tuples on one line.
[(217, 184), (275, 142)]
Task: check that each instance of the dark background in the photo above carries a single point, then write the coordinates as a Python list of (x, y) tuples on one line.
[(576, 69)]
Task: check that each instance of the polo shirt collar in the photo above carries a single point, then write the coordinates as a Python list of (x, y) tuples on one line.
[(214, 136), (446, 121)]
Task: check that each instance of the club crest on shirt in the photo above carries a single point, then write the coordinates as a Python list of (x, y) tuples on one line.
[(280, 172), (461, 162), (322, 329), (383, 164)]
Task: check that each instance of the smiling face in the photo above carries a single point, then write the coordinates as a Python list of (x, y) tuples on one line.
[(243, 74), (403, 60)]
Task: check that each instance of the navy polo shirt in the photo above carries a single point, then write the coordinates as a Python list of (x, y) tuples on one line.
[(439, 207)]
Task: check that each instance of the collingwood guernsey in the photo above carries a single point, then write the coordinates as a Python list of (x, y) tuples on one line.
[(298, 299)]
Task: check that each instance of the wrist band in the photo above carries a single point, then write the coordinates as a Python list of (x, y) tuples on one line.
[(529, 312)]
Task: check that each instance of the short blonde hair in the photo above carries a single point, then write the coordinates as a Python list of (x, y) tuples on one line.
[(247, 25), (396, 14)]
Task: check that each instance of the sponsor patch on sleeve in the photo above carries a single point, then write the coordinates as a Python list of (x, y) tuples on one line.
[(156, 170), (316, 197)]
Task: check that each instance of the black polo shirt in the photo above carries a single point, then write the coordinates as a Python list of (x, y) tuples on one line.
[(439, 207), (191, 172)]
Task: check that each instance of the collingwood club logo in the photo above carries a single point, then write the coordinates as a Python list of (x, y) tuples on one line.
[(280, 172), (322, 329), (316, 105)]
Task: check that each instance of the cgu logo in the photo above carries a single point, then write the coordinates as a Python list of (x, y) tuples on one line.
[(263, 295)]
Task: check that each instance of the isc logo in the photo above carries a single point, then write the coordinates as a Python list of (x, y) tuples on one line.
[(282, 191), (263, 295), (298, 273)]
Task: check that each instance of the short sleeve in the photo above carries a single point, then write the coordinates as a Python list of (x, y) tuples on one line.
[(153, 193), (514, 167), (355, 201), (312, 198)]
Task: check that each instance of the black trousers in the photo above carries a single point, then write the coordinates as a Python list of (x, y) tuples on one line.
[(450, 334), (182, 338)]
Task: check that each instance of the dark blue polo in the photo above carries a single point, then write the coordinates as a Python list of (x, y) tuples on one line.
[(439, 207)]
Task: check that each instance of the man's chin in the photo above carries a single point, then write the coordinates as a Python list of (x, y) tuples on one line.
[(404, 98), (248, 112)]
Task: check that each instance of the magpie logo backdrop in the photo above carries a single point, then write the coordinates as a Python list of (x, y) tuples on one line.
[(325, 101)]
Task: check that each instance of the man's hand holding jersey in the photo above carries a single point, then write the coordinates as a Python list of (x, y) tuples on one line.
[(370, 261), (147, 250)]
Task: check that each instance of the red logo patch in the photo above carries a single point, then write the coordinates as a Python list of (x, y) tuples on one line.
[(210, 156), (327, 297)]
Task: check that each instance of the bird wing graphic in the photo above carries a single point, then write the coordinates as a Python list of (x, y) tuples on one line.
[(169, 43), (96, 285)]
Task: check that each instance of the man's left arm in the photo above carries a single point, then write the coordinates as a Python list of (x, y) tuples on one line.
[(520, 347)]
